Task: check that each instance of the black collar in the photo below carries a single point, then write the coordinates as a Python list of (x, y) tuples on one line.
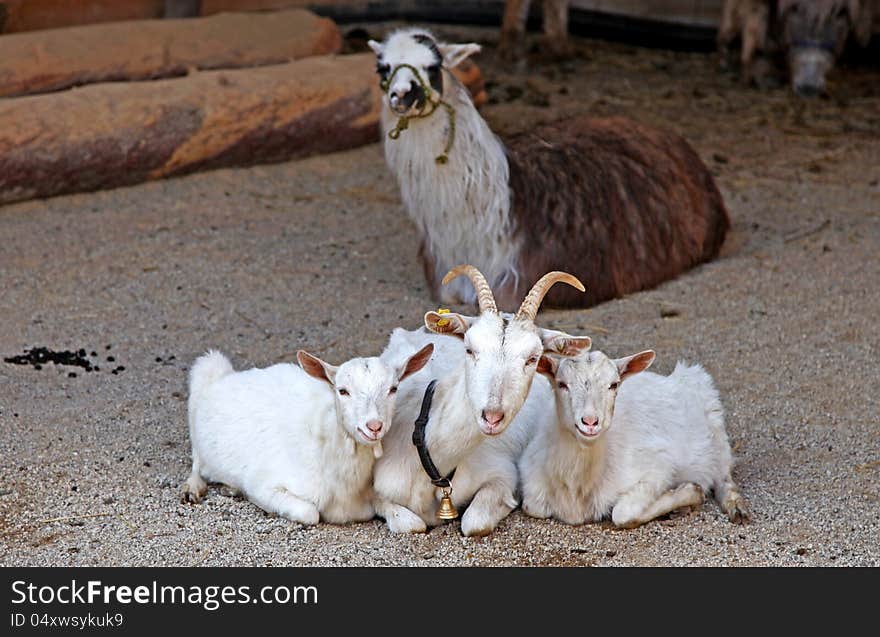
[(418, 439)]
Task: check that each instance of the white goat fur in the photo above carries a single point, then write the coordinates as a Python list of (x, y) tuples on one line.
[(659, 446), (485, 466), (475, 177), (289, 441)]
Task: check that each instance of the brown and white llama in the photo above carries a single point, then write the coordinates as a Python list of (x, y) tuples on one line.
[(621, 205)]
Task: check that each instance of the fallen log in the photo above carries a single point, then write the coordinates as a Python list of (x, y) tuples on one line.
[(109, 135), (149, 49), (31, 15)]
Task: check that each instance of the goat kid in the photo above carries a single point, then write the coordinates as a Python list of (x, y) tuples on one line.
[(297, 441), (628, 444), (483, 407)]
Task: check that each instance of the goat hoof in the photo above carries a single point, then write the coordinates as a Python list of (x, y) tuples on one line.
[(189, 497), (193, 490), (737, 513)]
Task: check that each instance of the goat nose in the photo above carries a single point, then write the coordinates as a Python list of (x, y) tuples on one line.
[(493, 417), (590, 421), (375, 426)]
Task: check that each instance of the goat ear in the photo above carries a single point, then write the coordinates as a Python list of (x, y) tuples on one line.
[(548, 366), (455, 54), (315, 367), (563, 344), (416, 362), (449, 323), (634, 364), (377, 47)]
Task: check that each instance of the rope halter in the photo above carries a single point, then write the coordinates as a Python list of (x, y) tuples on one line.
[(428, 90)]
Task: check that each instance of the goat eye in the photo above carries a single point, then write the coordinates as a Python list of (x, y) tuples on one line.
[(393, 390), (343, 391), (532, 360), (469, 351), (561, 385), (614, 386)]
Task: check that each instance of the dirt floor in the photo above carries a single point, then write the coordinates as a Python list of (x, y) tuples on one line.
[(319, 254)]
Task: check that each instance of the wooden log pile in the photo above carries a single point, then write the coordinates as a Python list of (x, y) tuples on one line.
[(44, 61), (108, 134)]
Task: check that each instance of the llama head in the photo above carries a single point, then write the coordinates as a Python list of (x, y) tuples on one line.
[(410, 64), (364, 390), (586, 389), (503, 350)]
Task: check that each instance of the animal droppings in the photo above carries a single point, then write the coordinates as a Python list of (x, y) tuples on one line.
[(38, 357)]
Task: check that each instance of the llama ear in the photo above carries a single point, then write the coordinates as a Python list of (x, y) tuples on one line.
[(547, 366), (455, 54), (634, 364), (377, 47), (416, 362), (315, 367), (448, 323)]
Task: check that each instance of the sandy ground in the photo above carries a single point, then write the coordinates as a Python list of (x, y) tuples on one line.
[(319, 254)]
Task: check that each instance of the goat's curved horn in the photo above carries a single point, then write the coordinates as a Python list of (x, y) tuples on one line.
[(529, 308), (485, 298)]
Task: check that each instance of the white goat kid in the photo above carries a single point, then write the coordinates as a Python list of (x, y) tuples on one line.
[(656, 444), (299, 442), (481, 412)]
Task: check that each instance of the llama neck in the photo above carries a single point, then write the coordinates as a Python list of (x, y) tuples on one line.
[(462, 207), (452, 432)]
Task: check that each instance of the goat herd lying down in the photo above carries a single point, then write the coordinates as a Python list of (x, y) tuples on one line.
[(320, 442), (512, 413)]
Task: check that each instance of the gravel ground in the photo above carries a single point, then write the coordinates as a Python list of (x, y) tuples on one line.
[(319, 254)]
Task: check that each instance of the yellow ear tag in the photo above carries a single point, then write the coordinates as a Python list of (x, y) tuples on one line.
[(442, 322)]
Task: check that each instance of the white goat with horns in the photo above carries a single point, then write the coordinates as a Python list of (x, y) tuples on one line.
[(482, 410)]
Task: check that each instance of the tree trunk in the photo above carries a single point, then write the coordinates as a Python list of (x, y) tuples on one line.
[(111, 135), (50, 61)]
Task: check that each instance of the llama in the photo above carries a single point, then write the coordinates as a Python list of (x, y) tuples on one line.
[(620, 205)]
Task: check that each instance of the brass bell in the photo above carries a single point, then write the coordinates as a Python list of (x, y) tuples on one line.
[(446, 511)]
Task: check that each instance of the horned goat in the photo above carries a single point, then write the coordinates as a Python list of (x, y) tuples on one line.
[(299, 442), (481, 413), (619, 204), (629, 445)]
